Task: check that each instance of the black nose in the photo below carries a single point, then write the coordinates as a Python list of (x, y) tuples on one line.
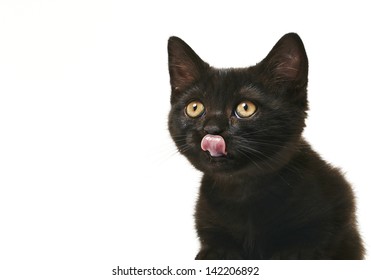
[(212, 129), (215, 125)]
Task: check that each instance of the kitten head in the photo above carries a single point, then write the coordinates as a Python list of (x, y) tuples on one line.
[(228, 120)]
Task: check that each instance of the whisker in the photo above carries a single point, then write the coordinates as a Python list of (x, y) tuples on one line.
[(247, 156), (263, 156)]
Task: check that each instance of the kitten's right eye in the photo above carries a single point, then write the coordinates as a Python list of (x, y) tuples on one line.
[(195, 109), (245, 109)]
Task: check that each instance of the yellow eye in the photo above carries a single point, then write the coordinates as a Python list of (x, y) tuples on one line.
[(245, 109), (195, 109)]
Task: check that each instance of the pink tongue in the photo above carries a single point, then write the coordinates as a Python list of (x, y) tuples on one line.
[(215, 144)]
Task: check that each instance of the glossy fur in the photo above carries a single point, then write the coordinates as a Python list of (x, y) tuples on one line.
[(272, 196)]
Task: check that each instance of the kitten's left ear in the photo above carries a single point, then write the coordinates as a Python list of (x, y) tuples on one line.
[(287, 62), (185, 66)]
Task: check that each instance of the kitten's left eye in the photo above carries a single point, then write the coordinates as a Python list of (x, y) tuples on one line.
[(245, 109), (195, 109)]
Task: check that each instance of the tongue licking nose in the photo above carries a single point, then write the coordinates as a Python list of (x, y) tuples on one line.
[(214, 144)]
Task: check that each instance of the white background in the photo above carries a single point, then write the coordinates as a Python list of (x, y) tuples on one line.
[(89, 178)]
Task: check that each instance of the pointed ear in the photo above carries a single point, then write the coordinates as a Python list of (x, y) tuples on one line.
[(287, 62), (185, 66)]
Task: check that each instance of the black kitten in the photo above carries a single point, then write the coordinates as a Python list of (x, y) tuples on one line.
[(265, 194)]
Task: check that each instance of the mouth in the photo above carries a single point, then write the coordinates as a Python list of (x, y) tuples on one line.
[(214, 145), (220, 160)]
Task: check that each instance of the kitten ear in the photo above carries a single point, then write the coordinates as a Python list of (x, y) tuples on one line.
[(287, 62), (185, 66)]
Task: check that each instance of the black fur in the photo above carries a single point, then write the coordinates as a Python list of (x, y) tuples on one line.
[(271, 196)]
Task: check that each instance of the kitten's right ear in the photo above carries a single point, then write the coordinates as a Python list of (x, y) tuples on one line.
[(185, 66), (287, 62)]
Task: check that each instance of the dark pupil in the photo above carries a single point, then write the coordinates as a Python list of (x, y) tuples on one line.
[(245, 106), (194, 107)]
